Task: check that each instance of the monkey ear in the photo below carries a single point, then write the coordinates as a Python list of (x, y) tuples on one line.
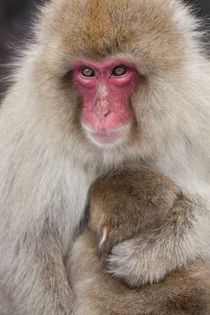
[(104, 237)]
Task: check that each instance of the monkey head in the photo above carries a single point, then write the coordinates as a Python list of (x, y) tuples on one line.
[(107, 62), (127, 202)]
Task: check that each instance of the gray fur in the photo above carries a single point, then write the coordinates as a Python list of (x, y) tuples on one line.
[(48, 164)]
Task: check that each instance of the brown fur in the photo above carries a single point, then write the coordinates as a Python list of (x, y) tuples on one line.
[(48, 162), (135, 201), (184, 292), (131, 202)]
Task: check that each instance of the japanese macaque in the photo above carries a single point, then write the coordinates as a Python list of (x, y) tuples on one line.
[(138, 204), (104, 84)]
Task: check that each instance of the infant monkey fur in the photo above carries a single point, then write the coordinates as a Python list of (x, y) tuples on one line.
[(125, 204)]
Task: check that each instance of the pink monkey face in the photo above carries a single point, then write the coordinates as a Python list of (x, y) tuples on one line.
[(106, 88)]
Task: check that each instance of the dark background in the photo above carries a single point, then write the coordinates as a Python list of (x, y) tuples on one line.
[(15, 27)]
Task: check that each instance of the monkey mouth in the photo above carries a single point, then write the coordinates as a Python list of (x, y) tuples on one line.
[(104, 136)]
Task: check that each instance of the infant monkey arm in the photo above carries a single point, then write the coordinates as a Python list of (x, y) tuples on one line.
[(151, 227)]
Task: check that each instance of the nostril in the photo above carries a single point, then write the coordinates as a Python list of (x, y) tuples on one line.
[(107, 113), (102, 110)]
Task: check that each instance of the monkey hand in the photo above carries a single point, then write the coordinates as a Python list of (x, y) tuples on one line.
[(151, 255)]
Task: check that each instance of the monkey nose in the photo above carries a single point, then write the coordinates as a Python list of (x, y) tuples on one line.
[(102, 109)]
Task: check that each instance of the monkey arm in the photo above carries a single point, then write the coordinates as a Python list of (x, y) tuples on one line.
[(97, 292), (153, 230), (181, 239), (37, 278)]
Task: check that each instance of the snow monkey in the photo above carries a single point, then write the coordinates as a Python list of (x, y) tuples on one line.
[(134, 203), (104, 84)]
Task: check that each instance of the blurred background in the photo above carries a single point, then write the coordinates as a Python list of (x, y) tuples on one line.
[(15, 27)]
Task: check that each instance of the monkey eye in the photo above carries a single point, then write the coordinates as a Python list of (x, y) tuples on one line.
[(87, 72), (119, 70)]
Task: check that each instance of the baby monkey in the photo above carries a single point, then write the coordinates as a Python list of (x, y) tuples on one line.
[(125, 204)]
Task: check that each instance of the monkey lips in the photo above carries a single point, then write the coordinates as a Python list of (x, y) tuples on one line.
[(107, 136)]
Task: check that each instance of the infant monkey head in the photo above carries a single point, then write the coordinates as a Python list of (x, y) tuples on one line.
[(127, 202)]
